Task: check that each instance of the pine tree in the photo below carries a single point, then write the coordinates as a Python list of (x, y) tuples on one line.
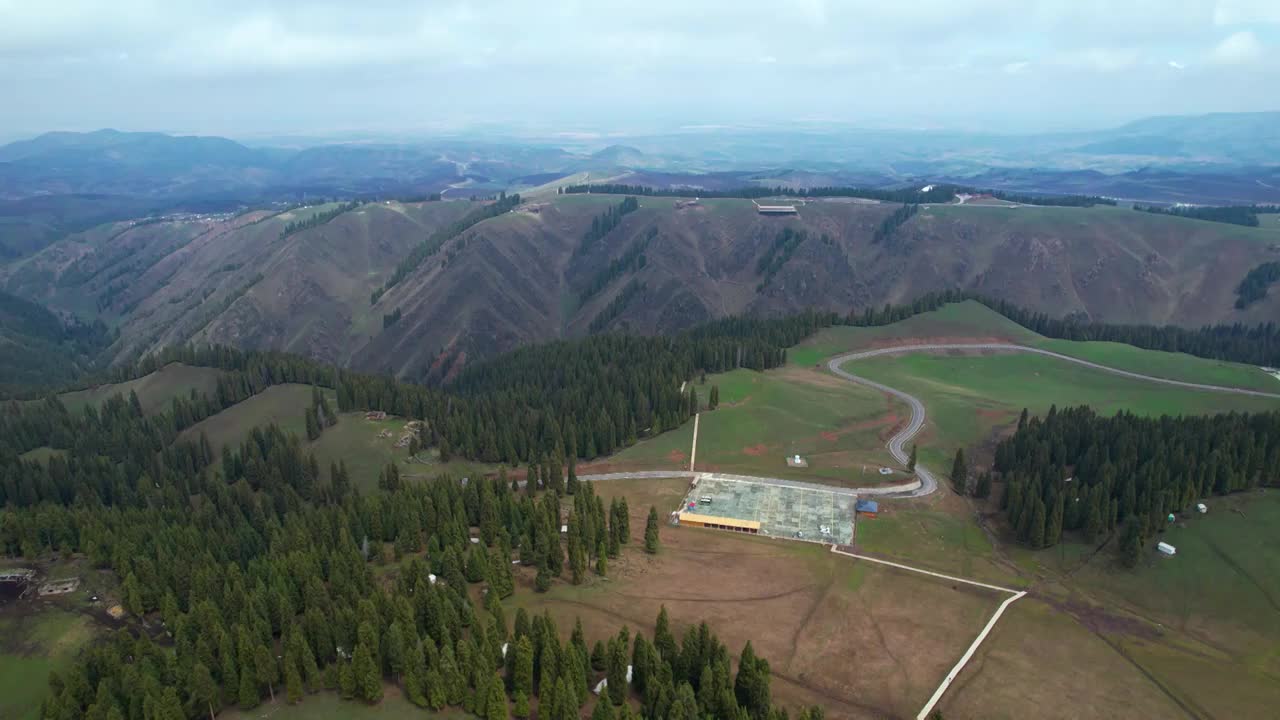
[(292, 683), (496, 703), (1036, 530), (523, 679), (1131, 544), (521, 709), (960, 473), (911, 464), (617, 671), (365, 670), (603, 710), (651, 532), (984, 485), (602, 564), (266, 669), (714, 401), (204, 691)]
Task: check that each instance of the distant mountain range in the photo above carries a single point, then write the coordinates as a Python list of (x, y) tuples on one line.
[(65, 182)]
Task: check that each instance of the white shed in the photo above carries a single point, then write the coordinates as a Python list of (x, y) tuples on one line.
[(1167, 549), (1202, 508)]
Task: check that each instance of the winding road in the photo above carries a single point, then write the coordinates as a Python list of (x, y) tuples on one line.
[(897, 443), (927, 481)]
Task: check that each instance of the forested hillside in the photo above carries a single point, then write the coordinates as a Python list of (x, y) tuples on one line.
[(40, 350)]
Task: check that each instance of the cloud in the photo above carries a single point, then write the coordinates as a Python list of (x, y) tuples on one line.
[(1240, 12), (1237, 49), (685, 61)]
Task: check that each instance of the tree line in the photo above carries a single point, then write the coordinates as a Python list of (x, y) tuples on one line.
[(936, 193), (424, 250), (632, 260), (1246, 215), (604, 223), (778, 253), (317, 219), (885, 230), (1074, 470), (1255, 284), (1254, 345)]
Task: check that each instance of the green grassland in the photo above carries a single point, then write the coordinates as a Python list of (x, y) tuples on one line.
[(155, 391), (967, 395), (30, 647), (972, 321), (284, 405), (358, 442), (765, 417)]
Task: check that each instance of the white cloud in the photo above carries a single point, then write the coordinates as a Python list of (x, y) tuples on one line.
[(1240, 12), (1177, 65), (1237, 49), (1015, 68)]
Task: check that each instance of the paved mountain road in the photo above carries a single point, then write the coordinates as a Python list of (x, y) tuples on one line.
[(897, 443), (928, 482)]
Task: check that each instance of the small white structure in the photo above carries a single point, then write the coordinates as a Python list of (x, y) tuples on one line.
[(431, 578), (1202, 508), (1167, 549), (564, 529), (796, 461), (600, 686), (886, 471)]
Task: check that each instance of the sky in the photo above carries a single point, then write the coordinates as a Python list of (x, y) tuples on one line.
[(277, 67)]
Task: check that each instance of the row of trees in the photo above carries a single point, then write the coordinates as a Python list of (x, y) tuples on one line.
[(632, 260), (1255, 345), (317, 219), (424, 250), (885, 230), (1076, 470), (778, 253), (934, 193), (1246, 215), (1254, 286), (604, 223)]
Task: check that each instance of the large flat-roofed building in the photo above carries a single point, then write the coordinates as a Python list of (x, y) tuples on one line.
[(776, 209), (719, 523)]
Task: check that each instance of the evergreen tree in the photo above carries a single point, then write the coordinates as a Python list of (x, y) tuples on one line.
[(1131, 544), (367, 677), (602, 564), (714, 401), (521, 709), (204, 691), (617, 671), (911, 464), (651, 531), (496, 703), (960, 473)]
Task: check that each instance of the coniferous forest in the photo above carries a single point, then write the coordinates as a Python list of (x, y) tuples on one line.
[(1074, 470)]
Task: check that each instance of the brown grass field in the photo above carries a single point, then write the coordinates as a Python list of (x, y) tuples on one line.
[(861, 640)]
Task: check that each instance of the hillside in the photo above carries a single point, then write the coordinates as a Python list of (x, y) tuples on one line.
[(527, 275)]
